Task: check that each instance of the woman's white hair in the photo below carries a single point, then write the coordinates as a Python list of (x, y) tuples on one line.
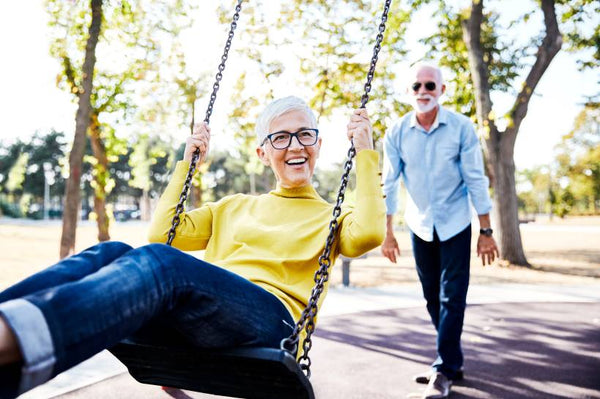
[(278, 108)]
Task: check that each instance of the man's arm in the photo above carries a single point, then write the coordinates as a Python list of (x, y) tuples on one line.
[(390, 248), (472, 170), (486, 245), (393, 166)]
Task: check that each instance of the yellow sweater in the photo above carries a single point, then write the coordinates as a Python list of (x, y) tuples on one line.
[(275, 239)]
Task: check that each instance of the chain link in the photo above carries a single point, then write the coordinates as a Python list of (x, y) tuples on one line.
[(213, 96), (307, 319)]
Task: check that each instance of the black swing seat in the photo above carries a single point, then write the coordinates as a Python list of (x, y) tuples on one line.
[(239, 372)]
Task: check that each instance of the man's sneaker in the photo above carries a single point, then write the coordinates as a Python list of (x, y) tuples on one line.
[(424, 378), (438, 387)]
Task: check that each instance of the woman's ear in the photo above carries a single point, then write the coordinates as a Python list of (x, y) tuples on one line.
[(263, 156), (319, 142)]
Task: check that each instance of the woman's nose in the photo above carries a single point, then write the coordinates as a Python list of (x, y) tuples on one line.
[(295, 144)]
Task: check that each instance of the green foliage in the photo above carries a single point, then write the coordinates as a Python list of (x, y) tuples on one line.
[(226, 175), (9, 154), (9, 208), (535, 190), (573, 185), (46, 157), (148, 164), (583, 21), (24, 170), (16, 175), (503, 57), (136, 54), (327, 182), (338, 40), (578, 157)]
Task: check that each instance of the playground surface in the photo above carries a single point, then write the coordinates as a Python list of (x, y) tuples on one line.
[(529, 333)]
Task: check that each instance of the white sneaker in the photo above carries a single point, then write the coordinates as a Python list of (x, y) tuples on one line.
[(438, 387)]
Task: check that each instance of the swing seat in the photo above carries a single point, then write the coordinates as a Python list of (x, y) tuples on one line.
[(238, 372)]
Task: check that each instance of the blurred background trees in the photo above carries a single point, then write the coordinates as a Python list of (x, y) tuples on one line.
[(147, 91)]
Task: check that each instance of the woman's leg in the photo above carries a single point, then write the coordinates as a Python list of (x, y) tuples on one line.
[(67, 270), (208, 305), (9, 350)]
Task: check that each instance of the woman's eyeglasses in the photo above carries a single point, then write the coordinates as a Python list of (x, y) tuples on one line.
[(429, 86), (282, 140)]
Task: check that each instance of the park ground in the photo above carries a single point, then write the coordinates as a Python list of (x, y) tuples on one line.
[(561, 251), (529, 332)]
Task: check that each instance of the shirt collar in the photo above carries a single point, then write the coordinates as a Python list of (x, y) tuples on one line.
[(440, 119)]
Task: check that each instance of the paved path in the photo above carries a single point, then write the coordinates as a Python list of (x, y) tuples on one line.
[(520, 341)]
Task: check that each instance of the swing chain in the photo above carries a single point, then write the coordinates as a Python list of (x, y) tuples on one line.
[(221, 68), (307, 319), (376, 49), (213, 96)]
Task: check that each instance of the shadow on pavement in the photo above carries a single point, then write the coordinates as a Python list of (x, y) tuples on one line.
[(512, 350), (525, 350)]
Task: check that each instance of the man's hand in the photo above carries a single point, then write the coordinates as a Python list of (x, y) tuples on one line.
[(487, 249), (390, 248)]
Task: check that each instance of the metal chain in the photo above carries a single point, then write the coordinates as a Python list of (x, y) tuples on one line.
[(213, 96), (307, 319)]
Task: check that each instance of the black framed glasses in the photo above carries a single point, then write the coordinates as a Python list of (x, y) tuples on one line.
[(282, 140), (429, 86)]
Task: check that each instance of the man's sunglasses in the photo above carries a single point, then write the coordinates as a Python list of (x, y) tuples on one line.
[(429, 86)]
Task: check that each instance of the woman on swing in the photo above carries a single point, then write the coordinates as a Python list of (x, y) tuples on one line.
[(261, 254)]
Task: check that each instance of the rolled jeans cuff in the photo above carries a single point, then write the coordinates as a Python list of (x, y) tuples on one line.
[(35, 342)]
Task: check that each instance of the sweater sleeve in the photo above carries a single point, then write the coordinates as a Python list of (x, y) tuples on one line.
[(195, 227), (363, 228)]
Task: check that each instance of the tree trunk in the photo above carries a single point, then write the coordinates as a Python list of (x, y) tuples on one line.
[(145, 206), (252, 177), (506, 208), (100, 178), (82, 121), (500, 145)]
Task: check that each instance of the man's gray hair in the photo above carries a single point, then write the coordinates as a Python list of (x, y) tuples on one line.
[(425, 64), (278, 108)]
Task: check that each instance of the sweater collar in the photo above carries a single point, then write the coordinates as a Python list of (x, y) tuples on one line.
[(307, 192)]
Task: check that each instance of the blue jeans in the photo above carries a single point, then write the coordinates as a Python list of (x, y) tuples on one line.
[(91, 301), (443, 268)]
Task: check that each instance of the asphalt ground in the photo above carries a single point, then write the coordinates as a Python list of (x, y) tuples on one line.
[(512, 350)]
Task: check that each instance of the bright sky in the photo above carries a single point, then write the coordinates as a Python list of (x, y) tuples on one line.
[(30, 101)]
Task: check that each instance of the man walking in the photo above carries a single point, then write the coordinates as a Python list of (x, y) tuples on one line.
[(438, 156)]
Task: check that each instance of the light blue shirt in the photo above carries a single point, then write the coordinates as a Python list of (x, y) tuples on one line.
[(441, 169)]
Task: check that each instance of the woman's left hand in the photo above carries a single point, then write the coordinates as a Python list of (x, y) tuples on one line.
[(361, 130)]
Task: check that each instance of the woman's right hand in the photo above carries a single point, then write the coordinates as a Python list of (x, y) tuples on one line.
[(200, 139)]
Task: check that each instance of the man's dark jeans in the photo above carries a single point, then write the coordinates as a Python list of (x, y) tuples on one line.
[(443, 268), (92, 300)]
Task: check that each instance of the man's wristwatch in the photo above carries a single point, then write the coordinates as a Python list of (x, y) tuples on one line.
[(486, 232)]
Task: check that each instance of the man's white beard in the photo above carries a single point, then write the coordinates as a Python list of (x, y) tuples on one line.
[(423, 108)]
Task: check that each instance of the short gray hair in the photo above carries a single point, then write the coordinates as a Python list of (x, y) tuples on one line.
[(278, 108), (429, 65)]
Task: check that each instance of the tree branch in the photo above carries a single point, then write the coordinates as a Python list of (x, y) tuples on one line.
[(479, 68), (550, 46)]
